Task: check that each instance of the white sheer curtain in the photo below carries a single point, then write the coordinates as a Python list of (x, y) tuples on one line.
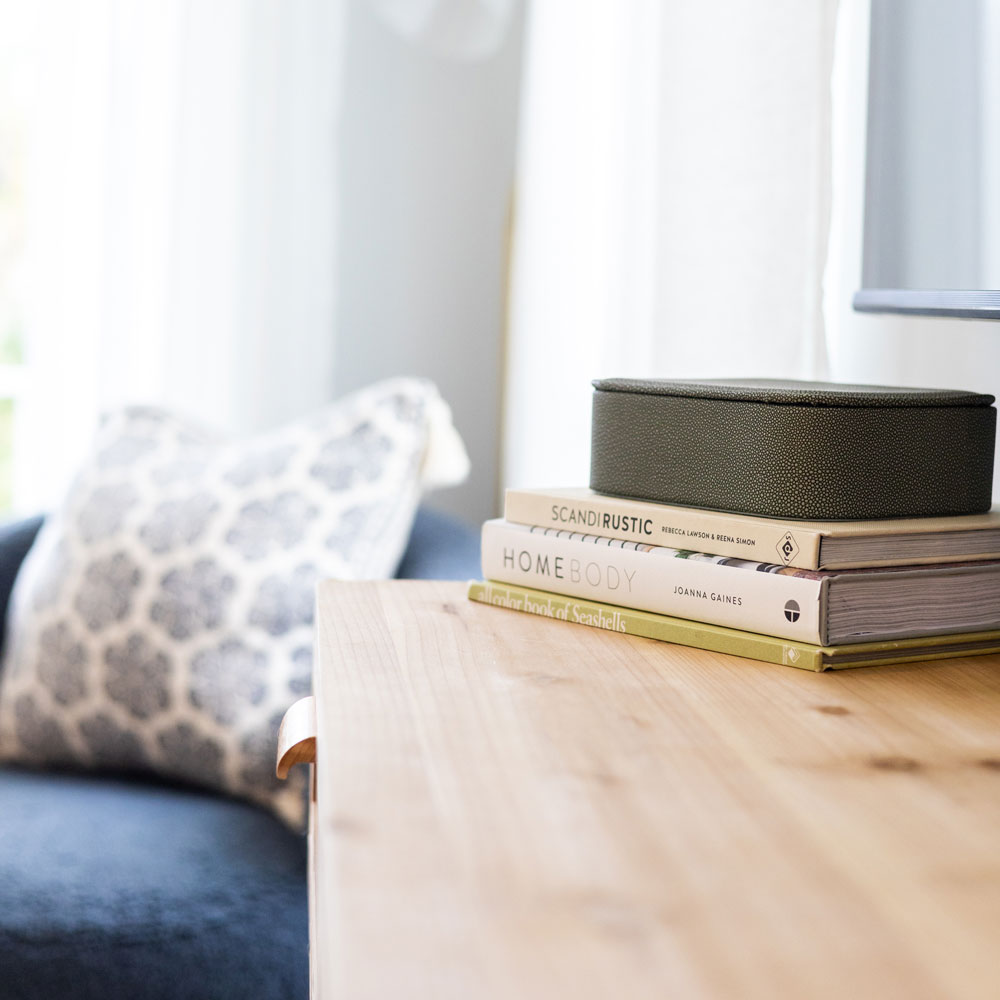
[(182, 191), (673, 207), (180, 216)]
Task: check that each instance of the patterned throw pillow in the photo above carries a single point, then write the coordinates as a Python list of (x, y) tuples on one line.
[(162, 621)]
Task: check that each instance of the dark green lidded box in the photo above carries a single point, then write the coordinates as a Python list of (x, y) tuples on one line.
[(805, 450)]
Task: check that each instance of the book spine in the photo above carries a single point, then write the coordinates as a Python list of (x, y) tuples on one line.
[(648, 626), (653, 578), (676, 527)]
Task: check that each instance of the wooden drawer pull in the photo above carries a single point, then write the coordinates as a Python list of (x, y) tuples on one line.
[(297, 737)]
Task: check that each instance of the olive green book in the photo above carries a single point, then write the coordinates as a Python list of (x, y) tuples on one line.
[(720, 639)]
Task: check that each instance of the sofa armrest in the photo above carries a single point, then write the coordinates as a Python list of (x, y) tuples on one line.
[(441, 547)]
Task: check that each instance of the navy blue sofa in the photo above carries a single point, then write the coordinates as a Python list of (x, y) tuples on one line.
[(113, 888)]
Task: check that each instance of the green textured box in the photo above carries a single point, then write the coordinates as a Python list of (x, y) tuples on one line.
[(807, 450)]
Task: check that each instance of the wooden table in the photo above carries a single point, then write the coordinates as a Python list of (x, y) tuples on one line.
[(511, 807)]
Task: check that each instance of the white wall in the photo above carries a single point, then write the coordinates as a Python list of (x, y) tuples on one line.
[(426, 174)]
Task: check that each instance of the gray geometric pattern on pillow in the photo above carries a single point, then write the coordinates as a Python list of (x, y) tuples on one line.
[(163, 619)]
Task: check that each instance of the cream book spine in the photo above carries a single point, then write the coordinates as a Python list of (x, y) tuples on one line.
[(658, 524), (657, 579)]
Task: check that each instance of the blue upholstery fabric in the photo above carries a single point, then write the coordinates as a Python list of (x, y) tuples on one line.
[(441, 548), (112, 888)]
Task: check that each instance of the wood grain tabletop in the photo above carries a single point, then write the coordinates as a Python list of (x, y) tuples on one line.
[(512, 807)]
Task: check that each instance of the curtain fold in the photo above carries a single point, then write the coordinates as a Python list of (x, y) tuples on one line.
[(673, 207), (183, 210), (181, 215)]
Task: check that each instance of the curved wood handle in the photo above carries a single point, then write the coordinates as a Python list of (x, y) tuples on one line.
[(297, 737)]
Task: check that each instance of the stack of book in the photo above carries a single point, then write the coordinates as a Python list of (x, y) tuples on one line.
[(810, 594)]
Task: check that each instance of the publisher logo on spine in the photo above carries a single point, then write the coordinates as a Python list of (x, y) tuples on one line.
[(792, 611), (787, 549)]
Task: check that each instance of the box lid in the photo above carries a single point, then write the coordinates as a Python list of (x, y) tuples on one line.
[(795, 393)]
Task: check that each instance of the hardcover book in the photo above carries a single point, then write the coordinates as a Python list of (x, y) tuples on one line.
[(801, 544), (812, 606), (766, 648)]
